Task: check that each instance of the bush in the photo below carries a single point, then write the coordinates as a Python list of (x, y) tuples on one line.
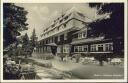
[(11, 72), (47, 56), (61, 55), (48, 65)]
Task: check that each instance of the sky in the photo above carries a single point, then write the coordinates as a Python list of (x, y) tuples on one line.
[(40, 15)]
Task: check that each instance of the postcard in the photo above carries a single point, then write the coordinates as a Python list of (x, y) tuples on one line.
[(63, 41)]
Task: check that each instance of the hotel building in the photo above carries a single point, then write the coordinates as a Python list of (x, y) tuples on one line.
[(69, 34)]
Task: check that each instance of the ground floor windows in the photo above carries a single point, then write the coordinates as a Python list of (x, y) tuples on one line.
[(105, 47), (100, 47), (63, 49), (42, 49), (75, 49), (83, 48), (66, 49), (82, 35), (80, 48), (59, 49), (93, 48), (109, 47)]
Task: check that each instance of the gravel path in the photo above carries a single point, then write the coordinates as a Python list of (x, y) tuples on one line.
[(79, 71)]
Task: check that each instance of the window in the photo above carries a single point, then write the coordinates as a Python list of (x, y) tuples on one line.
[(84, 34), (75, 48), (59, 49), (65, 48), (61, 20), (50, 40), (53, 25), (100, 47), (65, 36), (46, 41), (62, 15), (66, 18), (109, 47), (48, 49), (44, 48), (54, 21), (93, 48), (40, 43), (80, 49), (58, 38), (79, 35), (64, 25), (43, 42), (58, 28), (61, 37), (85, 48)]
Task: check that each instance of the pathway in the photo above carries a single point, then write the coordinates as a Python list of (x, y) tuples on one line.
[(88, 71)]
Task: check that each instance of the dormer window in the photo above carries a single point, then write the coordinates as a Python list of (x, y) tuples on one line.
[(66, 18), (63, 15), (54, 21), (53, 25), (58, 28), (64, 25), (79, 35), (84, 34), (61, 20)]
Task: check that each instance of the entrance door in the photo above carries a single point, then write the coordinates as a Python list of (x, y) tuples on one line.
[(54, 49)]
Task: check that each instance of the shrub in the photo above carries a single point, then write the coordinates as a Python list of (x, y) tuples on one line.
[(47, 56)]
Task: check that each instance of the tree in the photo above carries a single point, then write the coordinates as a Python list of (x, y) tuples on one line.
[(25, 39), (113, 27), (33, 38), (14, 21), (26, 48)]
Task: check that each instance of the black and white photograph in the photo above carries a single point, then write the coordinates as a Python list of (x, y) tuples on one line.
[(63, 41)]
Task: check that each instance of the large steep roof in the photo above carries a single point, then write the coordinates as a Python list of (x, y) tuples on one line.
[(76, 11)]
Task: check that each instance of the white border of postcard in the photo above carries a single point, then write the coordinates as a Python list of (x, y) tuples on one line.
[(66, 1)]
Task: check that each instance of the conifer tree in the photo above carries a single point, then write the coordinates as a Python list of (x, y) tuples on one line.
[(14, 21), (33, 38)]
